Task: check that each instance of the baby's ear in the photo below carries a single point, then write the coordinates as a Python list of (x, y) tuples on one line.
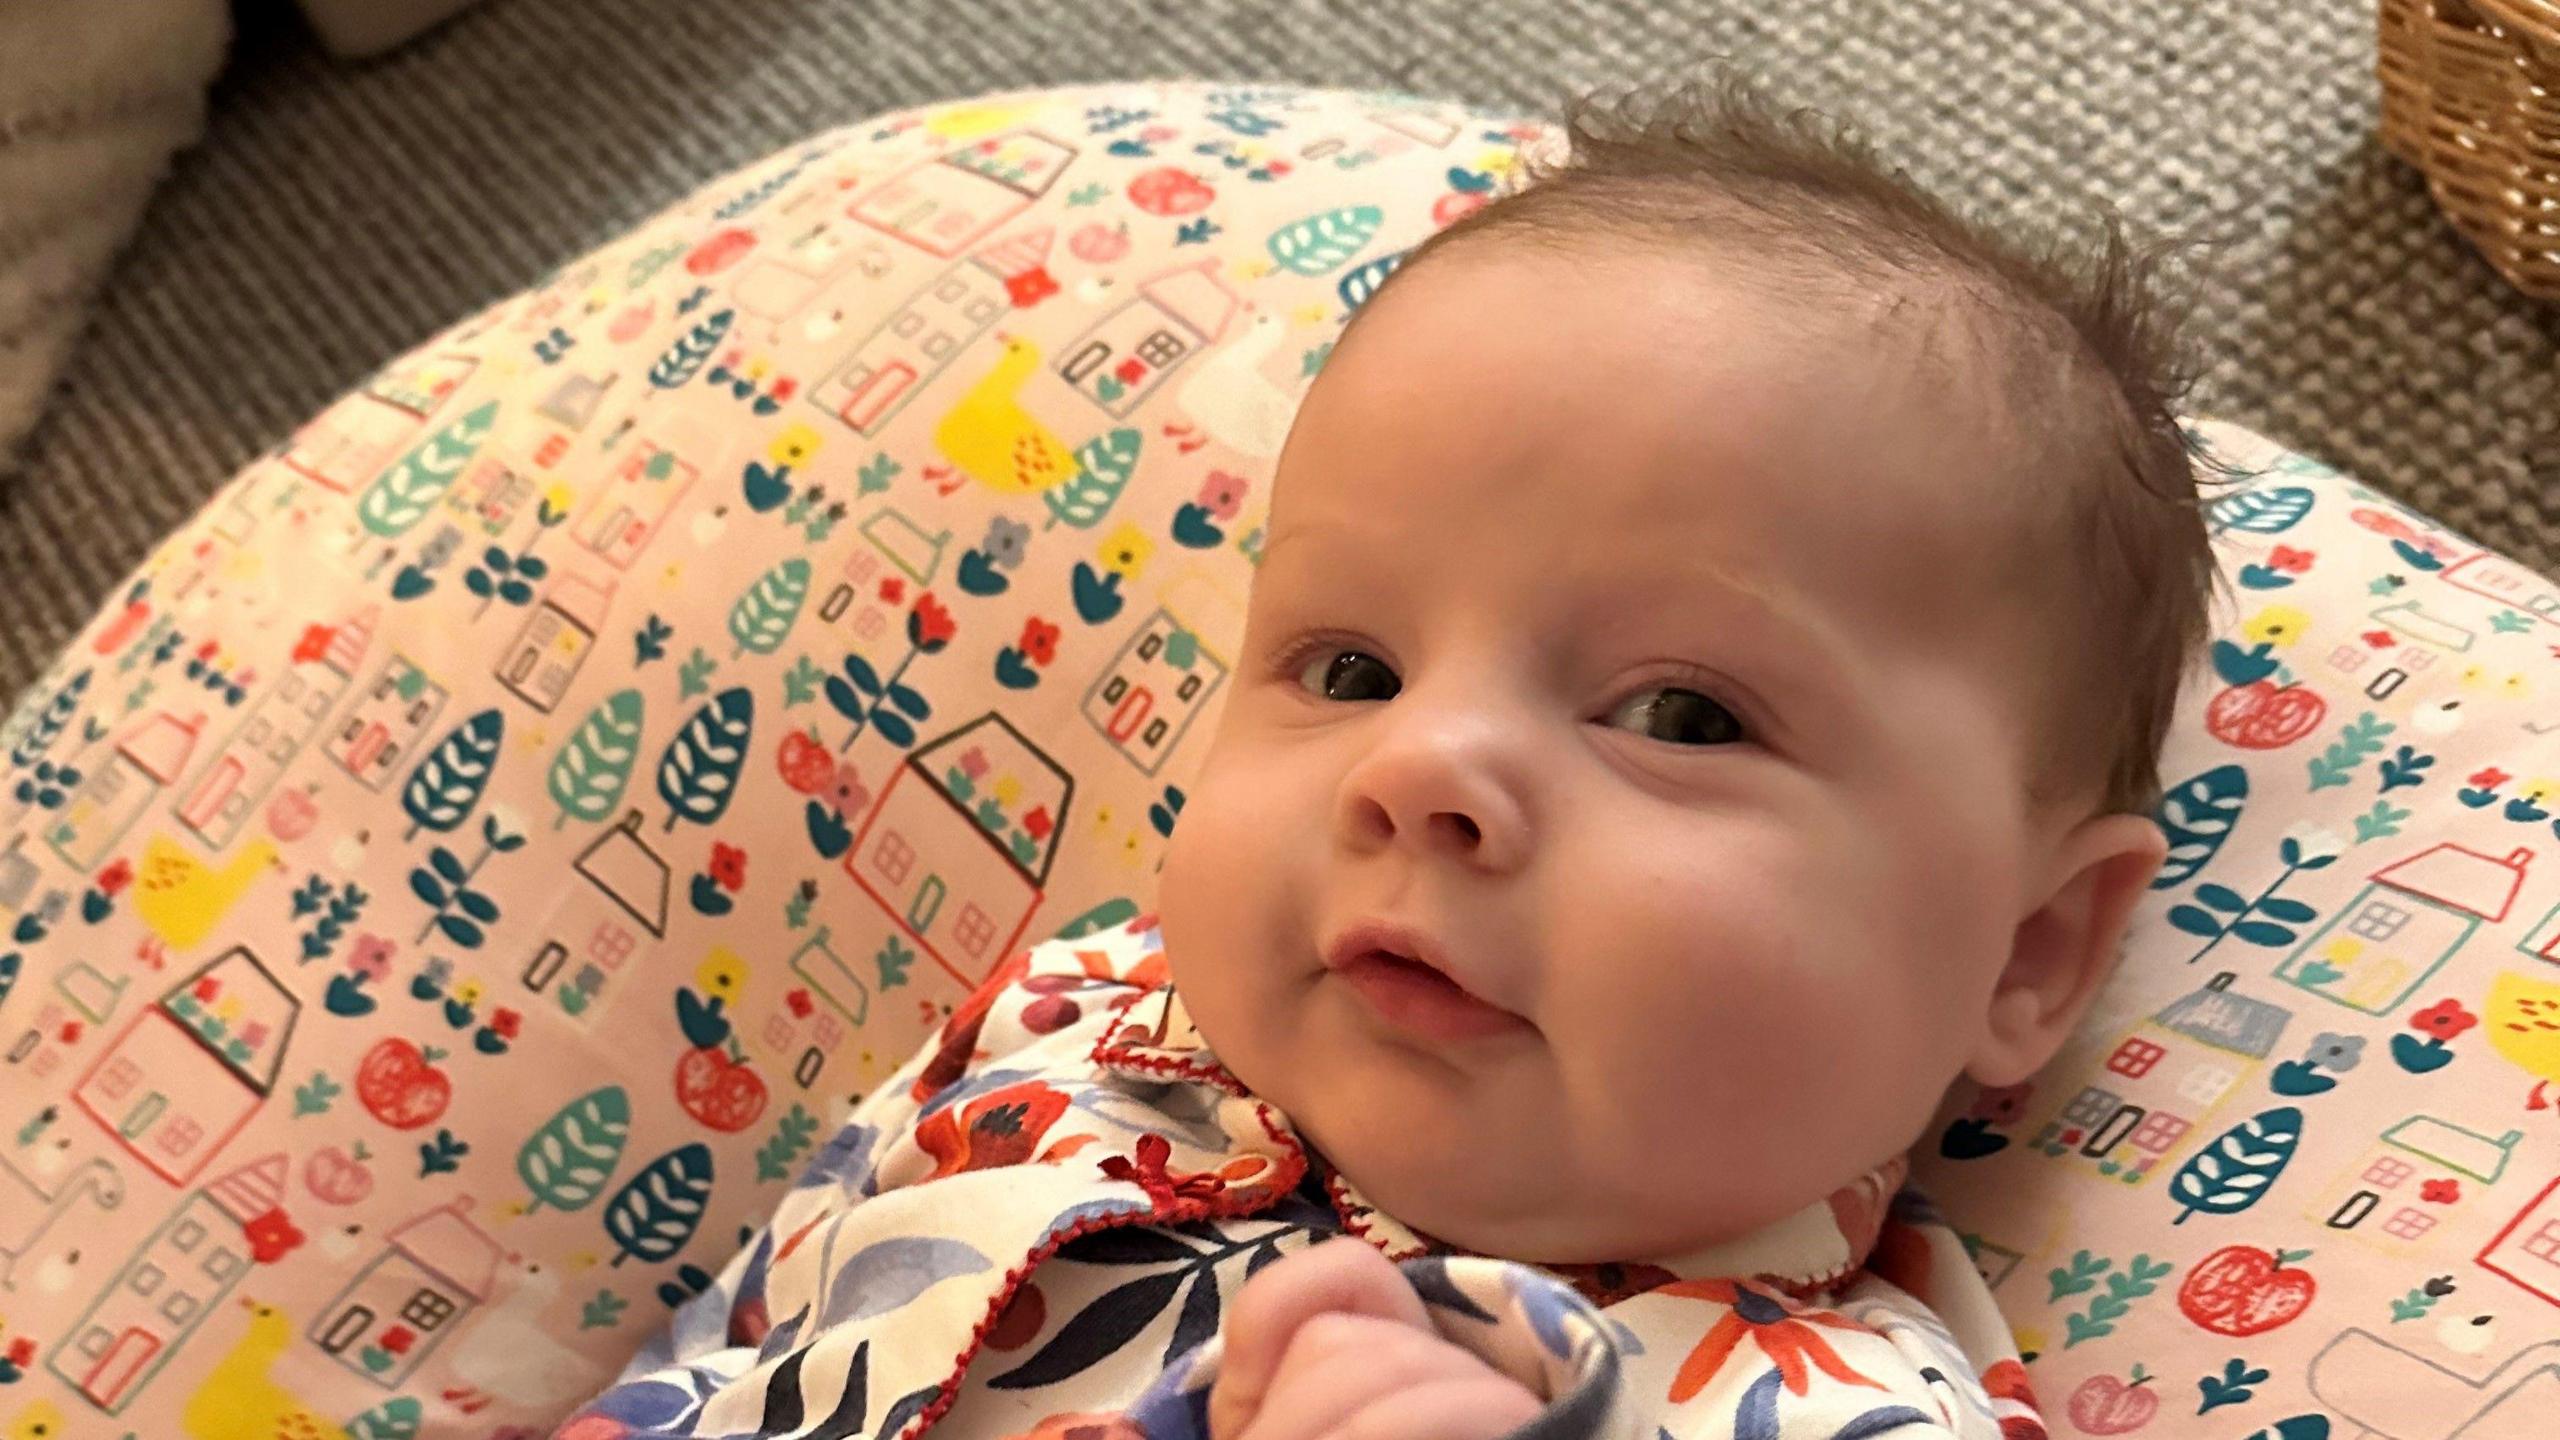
[(2065, 947)]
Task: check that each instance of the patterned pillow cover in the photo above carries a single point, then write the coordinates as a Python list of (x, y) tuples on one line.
[(447, 895)]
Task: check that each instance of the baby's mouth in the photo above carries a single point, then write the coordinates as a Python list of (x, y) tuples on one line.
[(1403, 976)]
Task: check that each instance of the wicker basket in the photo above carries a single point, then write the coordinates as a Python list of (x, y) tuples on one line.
[(2471, 96)]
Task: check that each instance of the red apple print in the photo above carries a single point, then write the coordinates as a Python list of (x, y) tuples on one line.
[(1170, 190), (334, 1176), (720, 251), (2105, 1405), (806, 764), (400, 1085), (2242, 1290), (1099, 244), (2263, 715), (724, 1094)]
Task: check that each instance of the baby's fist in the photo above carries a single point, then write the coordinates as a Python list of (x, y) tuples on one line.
[(1332, 1344)]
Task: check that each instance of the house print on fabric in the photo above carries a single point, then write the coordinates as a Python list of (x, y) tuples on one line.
[(147, 761), (1146, 698), (2165, 1079), (430, 1274), (827, 1000), (945, 206), (2495, 578), (1127, 353), (489, 496), (188, 1072), (165, 1289), (374, 738), (83, 998), (2527, 1250), (2543, 941), (921, 338), (546, 655), (361, 435), (2409, 919), (599, 924), (285, 720), (2420, 1173), (986, 805), (643, 488)]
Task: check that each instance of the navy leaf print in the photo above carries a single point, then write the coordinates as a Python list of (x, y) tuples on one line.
[(1199, 1318), (1127, 1245), (1098, 1330)]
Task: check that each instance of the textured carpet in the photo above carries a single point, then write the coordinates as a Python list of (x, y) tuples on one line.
[(337, 214)]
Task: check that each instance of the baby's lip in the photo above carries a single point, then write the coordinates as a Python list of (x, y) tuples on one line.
[(1368, 936)]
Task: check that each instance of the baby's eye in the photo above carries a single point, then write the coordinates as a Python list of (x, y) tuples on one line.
[(1336, 674), (1681, 717)]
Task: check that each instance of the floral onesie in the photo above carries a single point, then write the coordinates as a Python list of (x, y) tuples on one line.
[(1032, 1229)]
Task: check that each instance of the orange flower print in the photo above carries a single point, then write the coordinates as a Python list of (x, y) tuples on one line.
[(1001, 1127), (1782, 1330)]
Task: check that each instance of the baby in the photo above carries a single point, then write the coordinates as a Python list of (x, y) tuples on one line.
[(1699, 699)]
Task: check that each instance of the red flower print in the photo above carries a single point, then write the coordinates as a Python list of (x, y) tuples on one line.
[(2440, 1192), (2378, 639), (115, 877), (973, 763), (506, 1022), (1001, 1127), (1131, 370), (2491, 778), (398, 1339), (371, 957), (1029, 287), (206, 989), (728, 867), (1039, 640), (71, 1032), (270, 1236), (2443, 1020), (2289, 560), (892, 590), (22, 1351), (849, 795), (785, 388), (929, 625), (1782, 1330), (1037, 823), (315, 643), (802, 1007)]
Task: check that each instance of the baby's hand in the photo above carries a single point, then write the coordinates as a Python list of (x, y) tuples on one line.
[(1332, 1344)]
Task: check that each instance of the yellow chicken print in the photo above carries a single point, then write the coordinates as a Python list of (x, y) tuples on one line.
[(182, 899), (238, 1402), (2524, 1025), (994, 440)]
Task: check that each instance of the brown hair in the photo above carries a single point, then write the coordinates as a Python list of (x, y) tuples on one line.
[(2087, 334)]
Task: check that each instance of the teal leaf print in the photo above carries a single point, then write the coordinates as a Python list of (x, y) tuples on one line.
[(686, 356), (566, 1162), (42, 723), (603, 1312), (2233, 1173), (762, 618), (2197, 815), (1103, 466), (651, 1218), (444, 787), (2361, 738), (399, 1418), (2140, 1277), (790, 1138), (698, 775), (2297, 1427), (2267, 511), (403, 494), (1322, 243), (2234, 1386), (593, 768)]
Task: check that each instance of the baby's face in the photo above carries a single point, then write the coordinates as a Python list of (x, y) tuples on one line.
[(1621, 633)]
